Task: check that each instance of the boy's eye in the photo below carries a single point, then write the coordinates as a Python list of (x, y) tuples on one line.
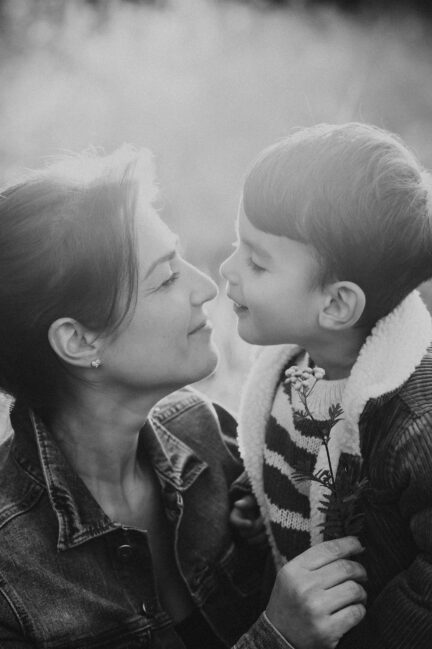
[(255, 268), (171, 279)]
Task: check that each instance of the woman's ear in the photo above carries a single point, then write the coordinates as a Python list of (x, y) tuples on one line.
[(73, 343), (344, 303)]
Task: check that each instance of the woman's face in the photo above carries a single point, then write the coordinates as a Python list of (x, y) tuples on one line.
[(166, 342)]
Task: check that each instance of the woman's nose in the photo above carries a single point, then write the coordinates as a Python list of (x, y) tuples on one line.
[(205, 288), (227, 269)]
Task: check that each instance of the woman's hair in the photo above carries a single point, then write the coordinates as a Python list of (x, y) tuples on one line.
[(359, 197), (67, 249)]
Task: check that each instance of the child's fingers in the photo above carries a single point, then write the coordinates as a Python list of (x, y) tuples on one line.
[(239, 521), (246, 503), (257, 525)]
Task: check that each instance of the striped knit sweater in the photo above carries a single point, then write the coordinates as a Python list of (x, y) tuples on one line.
[(387, 403), (291, 441)]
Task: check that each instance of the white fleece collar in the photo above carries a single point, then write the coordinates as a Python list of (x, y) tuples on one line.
[(387, 359)]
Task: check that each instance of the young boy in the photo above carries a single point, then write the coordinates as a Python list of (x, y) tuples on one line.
[(334, 235)]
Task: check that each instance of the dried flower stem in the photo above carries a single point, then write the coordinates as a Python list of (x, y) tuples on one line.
[(303, 397), (341, 505)]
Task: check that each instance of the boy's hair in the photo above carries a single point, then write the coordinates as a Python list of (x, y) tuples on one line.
[(359, 197), (67, 249)]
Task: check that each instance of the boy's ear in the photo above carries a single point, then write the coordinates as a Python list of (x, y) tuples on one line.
[(344, 303), (73, 343)]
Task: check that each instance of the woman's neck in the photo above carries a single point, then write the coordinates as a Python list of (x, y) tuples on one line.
[(98, 433)]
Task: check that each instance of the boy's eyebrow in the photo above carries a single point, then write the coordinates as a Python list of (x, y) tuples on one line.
[(257, 248)]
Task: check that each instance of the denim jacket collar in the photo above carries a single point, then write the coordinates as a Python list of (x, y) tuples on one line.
[(80, 518), (173, 460)]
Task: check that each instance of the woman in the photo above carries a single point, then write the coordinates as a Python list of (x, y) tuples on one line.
[(114, 513)]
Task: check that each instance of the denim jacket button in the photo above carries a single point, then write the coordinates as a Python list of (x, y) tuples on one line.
[(171, 514), (124, 552), (148, 609)]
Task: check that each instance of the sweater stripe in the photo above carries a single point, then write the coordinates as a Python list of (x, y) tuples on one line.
[(287, 518), (278, 462), (280, 442), (289, 494)]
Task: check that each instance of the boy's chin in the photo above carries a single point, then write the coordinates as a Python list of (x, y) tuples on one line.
[(250, 336)]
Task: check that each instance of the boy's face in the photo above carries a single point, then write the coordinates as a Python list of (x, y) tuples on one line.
[(273, 283)]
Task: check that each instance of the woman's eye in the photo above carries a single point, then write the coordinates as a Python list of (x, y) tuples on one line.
[(171, 279), (255, 268)]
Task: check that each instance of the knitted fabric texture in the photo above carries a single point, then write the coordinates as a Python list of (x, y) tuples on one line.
[(387, 359), (291, 441)]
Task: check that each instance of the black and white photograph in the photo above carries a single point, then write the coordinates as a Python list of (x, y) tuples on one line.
[(215, 324)]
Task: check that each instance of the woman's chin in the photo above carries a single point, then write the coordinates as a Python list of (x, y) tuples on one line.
[(207, 367)]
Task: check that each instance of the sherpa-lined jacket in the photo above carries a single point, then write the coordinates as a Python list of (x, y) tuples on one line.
[(388, 419)]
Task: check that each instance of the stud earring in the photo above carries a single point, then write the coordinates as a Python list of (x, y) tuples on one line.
[(96, 363)]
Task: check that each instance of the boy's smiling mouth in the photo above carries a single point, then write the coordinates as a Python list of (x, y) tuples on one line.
[(239, 309)]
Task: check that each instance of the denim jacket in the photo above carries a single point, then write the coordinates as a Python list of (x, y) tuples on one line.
[(70, 577)]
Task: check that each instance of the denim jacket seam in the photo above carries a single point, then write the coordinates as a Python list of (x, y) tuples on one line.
[(42, 446), (174, 478), (17, 607), (174, 482), (28, 473), (12, 607), (86, 536), (17, 508), (167, 413)]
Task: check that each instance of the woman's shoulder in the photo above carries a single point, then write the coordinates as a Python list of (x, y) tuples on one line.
[(20, 491), (191, 407), (178, 402), (195, 419)]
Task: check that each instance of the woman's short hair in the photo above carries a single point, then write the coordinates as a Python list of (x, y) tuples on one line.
[(67, 249), (359, 197)]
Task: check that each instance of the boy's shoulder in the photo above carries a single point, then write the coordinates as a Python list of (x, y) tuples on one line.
[(416, 392)]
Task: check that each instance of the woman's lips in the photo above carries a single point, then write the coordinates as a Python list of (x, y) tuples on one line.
[(205, 325)]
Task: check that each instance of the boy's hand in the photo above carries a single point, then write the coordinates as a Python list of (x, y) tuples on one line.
[(248, 523), (316, 598)]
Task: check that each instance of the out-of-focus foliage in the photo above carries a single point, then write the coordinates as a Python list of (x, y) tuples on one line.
[(205, 85), (366, 8)]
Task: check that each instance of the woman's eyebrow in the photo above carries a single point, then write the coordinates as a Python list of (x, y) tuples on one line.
[(169, 256)]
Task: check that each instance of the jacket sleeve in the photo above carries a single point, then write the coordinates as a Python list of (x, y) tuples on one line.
[(11, 636), (262, 635), (401, 615)]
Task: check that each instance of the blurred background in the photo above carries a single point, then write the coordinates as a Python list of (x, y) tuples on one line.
[(206, 84)]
